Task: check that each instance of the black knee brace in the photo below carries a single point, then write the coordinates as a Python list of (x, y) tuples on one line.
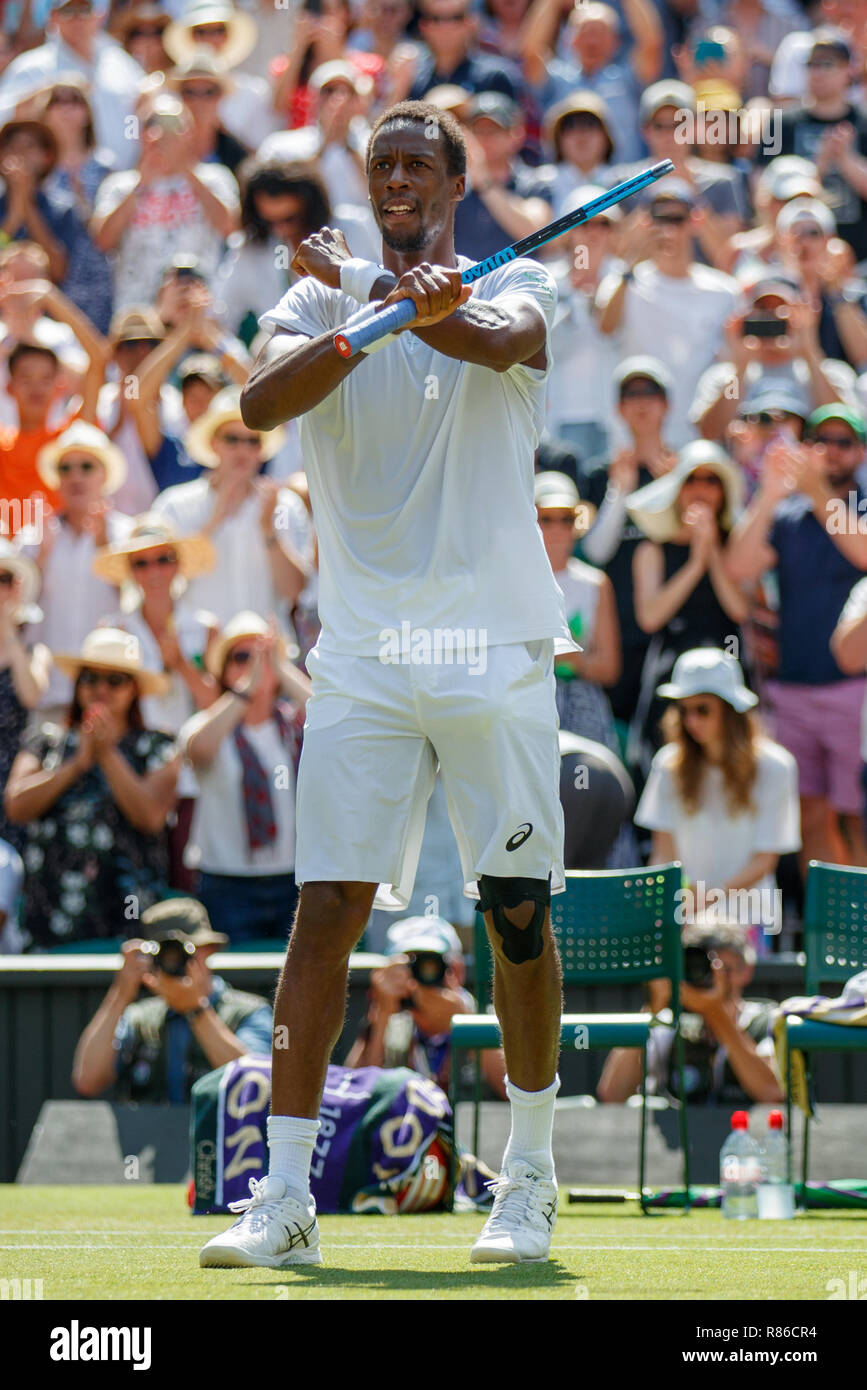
[(520, 944)]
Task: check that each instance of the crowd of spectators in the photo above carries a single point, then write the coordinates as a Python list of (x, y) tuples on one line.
[(700, 476)]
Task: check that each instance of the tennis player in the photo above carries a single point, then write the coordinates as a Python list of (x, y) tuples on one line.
[(440, 616)]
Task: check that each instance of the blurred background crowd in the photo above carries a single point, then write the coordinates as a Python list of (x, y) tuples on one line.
[(701, 479)]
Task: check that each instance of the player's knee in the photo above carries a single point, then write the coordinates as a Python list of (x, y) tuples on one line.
[(333, 913), (518, 908)]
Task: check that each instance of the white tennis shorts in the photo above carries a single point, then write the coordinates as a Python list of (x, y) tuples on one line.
[(372, 740)]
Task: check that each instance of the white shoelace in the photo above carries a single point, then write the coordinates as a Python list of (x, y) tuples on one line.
[(514, 1201), (264, 1206)]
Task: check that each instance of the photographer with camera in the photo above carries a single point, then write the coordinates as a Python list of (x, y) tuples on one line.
[(153, 1049), (728, 1051), (413, 1001)]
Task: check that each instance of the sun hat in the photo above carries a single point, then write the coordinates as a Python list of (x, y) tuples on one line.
[(82, 438), (786, 173), (665, 93), (136, 325), (715, 94), (806, 210), (178, 38), (709, 671), (341, 70), (223, 408), (553, 490), (244, 624), (196, 554), (654, 507), (205, 366), (579, 102), (649, 367), (110, 649), (202, 62), (181, 915), (414, 934)]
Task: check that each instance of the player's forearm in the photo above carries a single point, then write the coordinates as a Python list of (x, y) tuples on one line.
[(487, 334), (286, 386)]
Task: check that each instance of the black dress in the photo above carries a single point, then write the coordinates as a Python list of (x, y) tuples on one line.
[(701, 621), (13, 718)]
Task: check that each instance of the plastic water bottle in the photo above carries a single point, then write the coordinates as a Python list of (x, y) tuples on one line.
[(776, 1195), (740, 1170)]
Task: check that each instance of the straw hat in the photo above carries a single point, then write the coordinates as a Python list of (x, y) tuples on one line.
[(82, 438), (224, 408), (654, 507), (244, 624), (110, 649), (196, 554), (178, 38)]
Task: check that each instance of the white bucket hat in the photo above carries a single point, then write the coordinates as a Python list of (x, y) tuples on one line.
[(224, 408), (709, 671), (654, 507), (82, 438), (179, 43)]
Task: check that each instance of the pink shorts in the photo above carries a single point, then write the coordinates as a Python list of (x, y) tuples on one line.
[(821, 727)]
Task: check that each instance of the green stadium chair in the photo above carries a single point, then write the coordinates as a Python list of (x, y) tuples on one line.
[(835, 946), (612, 926)]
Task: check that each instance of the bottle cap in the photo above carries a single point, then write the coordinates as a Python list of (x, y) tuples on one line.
[(775, 1119), (740, 1120)]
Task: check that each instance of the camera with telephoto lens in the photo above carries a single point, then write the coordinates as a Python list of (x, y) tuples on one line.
[(171, 955), (427, 968), (698, 967)]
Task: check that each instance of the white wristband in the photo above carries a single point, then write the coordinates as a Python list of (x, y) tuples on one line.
[(358, 277)]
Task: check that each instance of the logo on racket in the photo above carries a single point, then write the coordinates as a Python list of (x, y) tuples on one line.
[(521, 834)]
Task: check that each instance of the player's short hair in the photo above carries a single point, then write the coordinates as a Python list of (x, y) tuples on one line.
[(432, 118)]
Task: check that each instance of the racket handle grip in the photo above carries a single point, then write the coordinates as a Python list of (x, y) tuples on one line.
[(351, 340)]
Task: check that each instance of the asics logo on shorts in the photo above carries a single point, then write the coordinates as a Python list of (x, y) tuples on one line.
[(521, 834)]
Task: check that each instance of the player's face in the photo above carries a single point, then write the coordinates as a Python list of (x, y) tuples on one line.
[(411, 191)]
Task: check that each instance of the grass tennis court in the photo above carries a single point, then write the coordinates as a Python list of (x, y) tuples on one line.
[(118, 1243)]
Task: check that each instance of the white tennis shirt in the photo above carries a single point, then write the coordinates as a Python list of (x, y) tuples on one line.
[(420, 469)]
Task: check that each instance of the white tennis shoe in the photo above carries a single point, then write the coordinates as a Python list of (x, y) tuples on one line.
[(520, 1226), (275, 1230)]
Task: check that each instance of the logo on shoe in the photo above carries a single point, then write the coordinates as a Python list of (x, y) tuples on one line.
[(550, 1212), (521, 834)]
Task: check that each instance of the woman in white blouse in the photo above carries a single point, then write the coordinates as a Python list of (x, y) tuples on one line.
[(721, 797)]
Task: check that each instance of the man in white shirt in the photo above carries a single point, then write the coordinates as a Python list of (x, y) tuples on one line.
[(77, 44), (169, 204), (419, 461), (666, 305), (86, 469), (261, 532)]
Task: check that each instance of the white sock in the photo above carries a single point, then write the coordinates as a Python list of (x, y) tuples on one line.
[(532, 1114), (290, 1148)]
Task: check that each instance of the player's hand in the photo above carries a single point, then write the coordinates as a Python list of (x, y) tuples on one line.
[(435, 290), (321, 255)]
